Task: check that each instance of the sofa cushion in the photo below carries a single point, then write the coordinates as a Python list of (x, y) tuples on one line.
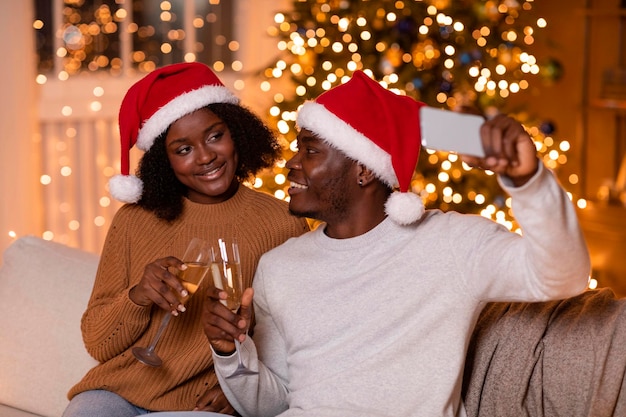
[(44, 289), (555, 358), (6, 411)]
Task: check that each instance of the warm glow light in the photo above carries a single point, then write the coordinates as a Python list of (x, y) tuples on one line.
[(105, 202), (280, 179), (318, 51)]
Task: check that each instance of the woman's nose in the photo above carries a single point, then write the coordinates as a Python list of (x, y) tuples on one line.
[(205, 155)]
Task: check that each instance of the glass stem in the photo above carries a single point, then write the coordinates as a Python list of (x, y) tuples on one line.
[(238, 349), (164, 322)]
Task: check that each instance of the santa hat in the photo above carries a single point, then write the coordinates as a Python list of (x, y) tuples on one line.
[(152, 104), (377, 128)]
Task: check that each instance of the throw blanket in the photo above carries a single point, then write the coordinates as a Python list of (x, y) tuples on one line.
[(554, 359)]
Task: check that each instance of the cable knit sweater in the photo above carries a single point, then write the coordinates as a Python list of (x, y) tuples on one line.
[(378, 324), (112, 324)]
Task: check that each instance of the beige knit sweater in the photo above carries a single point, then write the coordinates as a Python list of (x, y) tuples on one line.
[(112, 324)]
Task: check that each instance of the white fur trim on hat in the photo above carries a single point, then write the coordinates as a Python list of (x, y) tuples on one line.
[(126, 188), (178, 107), (404, 208), (336, 132)]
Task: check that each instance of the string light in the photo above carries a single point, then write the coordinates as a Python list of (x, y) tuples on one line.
[(447, 54), (90, 39), (444, 53)]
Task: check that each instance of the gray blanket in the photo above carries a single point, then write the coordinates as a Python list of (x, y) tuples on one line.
[(555, 359)]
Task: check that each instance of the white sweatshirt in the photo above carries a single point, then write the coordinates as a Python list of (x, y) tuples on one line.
[(378, 324)]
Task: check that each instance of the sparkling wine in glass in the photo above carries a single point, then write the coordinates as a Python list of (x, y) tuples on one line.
[(226, 272), (198, 257)]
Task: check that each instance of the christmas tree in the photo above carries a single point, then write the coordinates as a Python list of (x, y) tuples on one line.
[(460, 55)]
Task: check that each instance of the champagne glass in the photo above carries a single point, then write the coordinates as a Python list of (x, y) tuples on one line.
[(226, 273), (198, 257)]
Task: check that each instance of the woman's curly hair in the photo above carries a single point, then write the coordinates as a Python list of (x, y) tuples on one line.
[(255, 143)]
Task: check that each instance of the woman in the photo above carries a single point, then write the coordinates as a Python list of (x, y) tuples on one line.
[(200, 145)]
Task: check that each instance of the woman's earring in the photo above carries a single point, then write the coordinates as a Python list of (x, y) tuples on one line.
[(361, 183)]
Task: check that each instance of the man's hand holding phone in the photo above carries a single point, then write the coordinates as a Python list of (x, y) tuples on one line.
[(500, 144)]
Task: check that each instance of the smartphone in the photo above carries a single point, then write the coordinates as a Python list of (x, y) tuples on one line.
[(445, 130)]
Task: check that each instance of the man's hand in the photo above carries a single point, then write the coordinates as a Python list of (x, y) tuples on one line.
[(222, 326), (509, 150)]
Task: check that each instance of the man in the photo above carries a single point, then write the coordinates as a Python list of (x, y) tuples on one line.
[(370, 314)]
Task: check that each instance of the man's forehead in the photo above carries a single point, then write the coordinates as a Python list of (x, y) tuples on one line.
[(306, 134)]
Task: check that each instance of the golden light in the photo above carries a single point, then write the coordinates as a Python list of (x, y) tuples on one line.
[(280, 179), (236, 65)]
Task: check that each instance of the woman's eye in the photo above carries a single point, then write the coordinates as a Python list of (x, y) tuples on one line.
[(215, 136), (183, 150)]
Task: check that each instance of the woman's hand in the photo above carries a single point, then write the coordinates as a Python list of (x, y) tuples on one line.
[(509, 150), (214, 400), (222, 326), (159, 286)]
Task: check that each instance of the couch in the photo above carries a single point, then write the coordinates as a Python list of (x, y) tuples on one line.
[(44, 289), (559, 358)]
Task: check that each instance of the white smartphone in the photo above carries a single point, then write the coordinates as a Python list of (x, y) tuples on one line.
[(445, 130)]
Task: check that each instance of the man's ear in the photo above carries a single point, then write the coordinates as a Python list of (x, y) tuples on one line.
[(364, 175)]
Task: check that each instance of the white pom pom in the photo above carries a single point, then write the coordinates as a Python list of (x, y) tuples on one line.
[(126, 188), (404, 208)]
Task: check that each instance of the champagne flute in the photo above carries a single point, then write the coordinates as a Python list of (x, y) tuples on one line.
[(198, 257), (227, 277)]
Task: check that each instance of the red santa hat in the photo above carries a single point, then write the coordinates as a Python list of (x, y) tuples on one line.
[(152, 104), (377, 128)]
